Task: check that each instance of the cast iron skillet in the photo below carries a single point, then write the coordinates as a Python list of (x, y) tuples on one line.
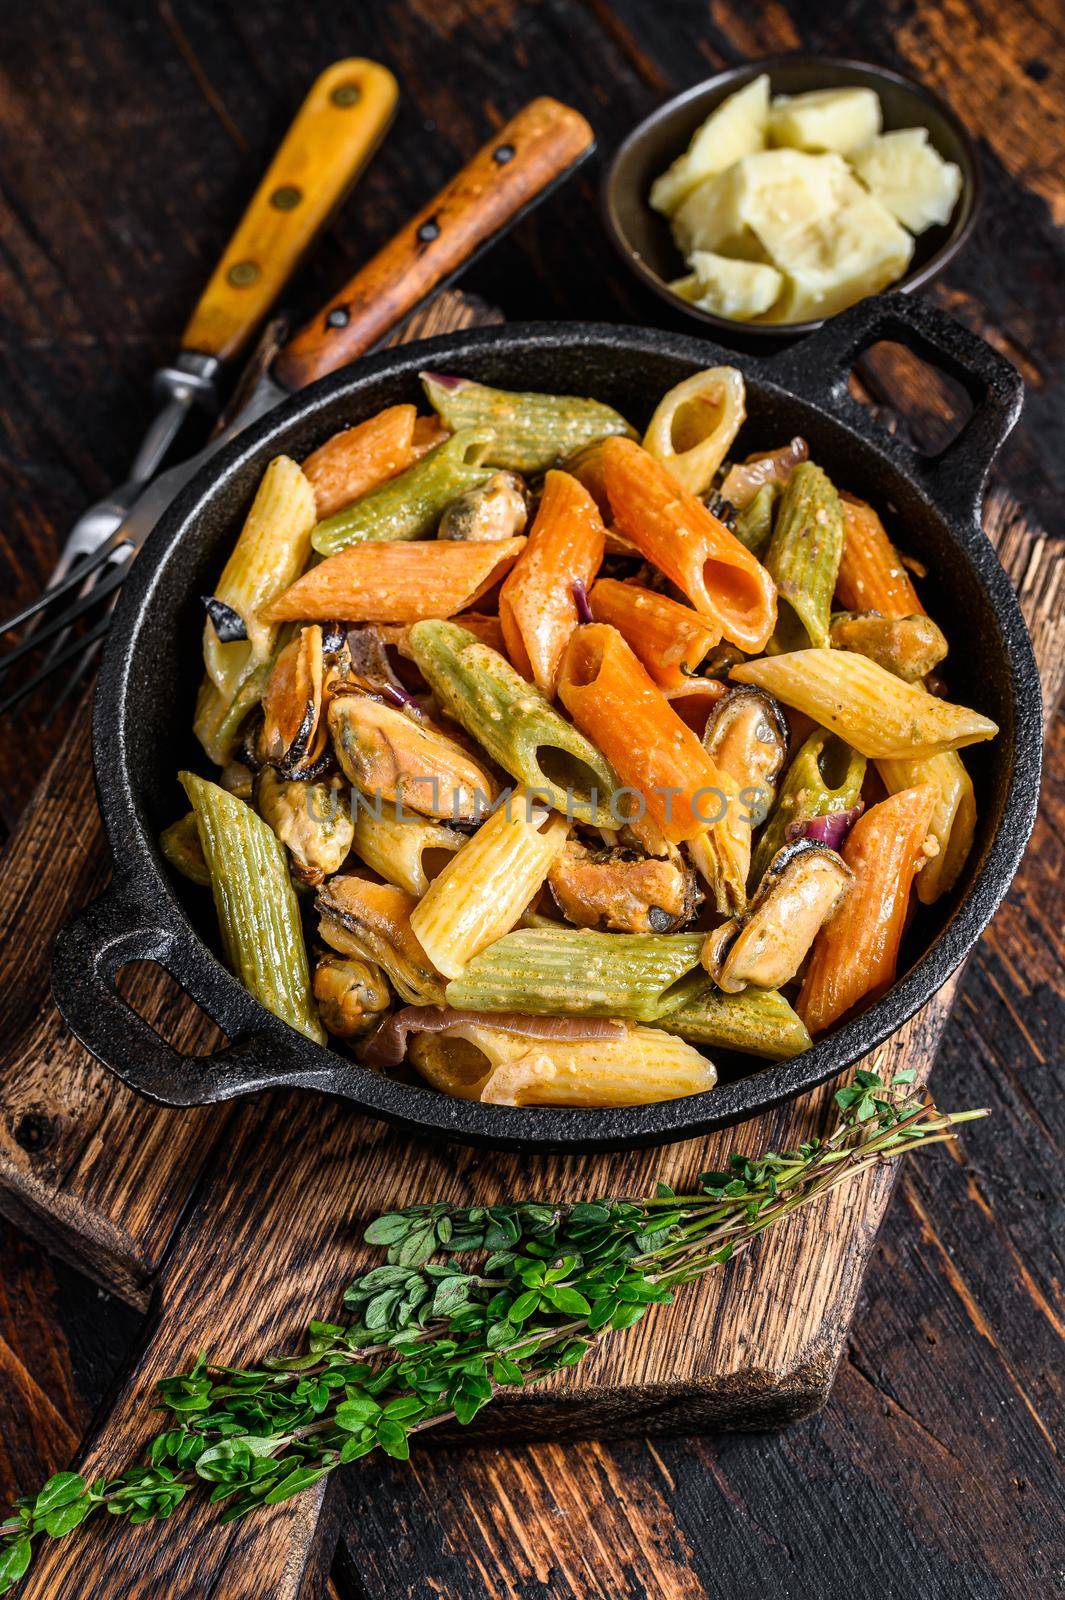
[(144, 702)]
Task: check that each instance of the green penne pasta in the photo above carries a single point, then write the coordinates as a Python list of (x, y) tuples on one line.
[(637, 977), (530, 432), (180, 844), (826, 775), (410, 505), (217, 719), (513, 721), (258, 916), (803, 558), (753, 526), (758, 1022)]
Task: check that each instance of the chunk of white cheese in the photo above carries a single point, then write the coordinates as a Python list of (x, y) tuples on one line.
[(736, 289), (736, 128), (752, 209), (910, 178), (825, 119), (856, 251)]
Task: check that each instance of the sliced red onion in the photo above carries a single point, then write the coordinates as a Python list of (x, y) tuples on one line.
[(387, 1045), (580, 600), (448, 381), (830, 830)]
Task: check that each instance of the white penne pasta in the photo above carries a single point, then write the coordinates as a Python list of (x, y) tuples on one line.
[(695, 424), (876, 713), (268, 557), (483, 890), (643, 1065), (403, 848), (953, 820)]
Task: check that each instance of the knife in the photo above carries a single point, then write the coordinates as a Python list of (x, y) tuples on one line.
[(527, 158)]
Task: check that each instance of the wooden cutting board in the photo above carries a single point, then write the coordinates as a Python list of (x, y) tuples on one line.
[(234, 1226)]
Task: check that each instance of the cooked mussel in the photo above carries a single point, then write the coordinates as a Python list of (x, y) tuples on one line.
[(766, 946), (358, 917), (910, 647), (313, 820), (624, 890), (352, 995), (293, 734), (747, 736), (499, 510), (404, 760)]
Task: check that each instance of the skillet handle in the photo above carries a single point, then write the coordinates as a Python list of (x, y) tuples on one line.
[(819, 366), (88, 954)]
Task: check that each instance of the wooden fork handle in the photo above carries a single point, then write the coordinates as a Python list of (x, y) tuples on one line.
[(510, 173), (335, 132)]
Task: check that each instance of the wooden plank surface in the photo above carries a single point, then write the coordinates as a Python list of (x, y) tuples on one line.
[(593, 1519)]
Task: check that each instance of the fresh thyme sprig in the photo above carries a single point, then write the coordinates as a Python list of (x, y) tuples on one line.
[(430, 1340)]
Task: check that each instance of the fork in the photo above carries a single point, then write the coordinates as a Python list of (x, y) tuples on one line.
[(334, 134)]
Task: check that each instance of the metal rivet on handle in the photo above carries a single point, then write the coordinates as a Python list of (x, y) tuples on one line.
[(287, 198), (339, 317), (429, 231), (243, 273), (503, 153), (346, 94)]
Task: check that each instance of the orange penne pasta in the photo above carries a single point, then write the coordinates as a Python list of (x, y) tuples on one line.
[(622, 711), (670, 639), (871, 577), (670, 527), (856, 952), (358, 459), (694, 700), (537, 610), (397, 582)]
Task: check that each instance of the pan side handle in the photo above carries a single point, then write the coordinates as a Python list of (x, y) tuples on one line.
[(817, 369), (86, 959)]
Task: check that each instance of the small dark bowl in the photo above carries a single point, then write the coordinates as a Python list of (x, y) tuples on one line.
[(643, 239)]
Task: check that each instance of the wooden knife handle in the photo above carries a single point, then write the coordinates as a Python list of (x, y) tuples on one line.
[(526, 157), (336, 131)]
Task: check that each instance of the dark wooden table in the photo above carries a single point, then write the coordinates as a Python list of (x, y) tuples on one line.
[(130, 136)]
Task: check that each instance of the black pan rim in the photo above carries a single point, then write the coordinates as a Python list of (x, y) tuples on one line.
[(140, 881)]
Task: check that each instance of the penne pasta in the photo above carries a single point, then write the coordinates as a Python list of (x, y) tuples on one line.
[(875, 712), (825, 776), (694, 425), (530, 432), (757, 1022), (856, 952), (410, 505), (217, 718), (515, 723), (258, 917), (612, 699), (803, 558), (485, 887), (537, 609), (676, 532), (269, 554), (871, 577), (642, 1066), (357, 459), (398, 582), (406, 850), (372, 920), (668, 638), (694, 700), (576, 972), (953, 819)]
